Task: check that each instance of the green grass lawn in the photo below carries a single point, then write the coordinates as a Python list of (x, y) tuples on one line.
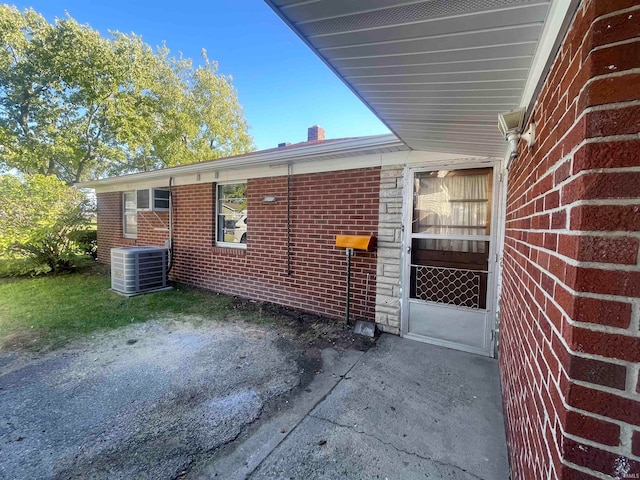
[(51, 310)]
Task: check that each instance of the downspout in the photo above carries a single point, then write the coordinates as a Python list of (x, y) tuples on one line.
[(170, 224), (289, 271), (500, 242)]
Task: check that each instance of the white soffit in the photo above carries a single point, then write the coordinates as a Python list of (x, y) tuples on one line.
[(436, 72)]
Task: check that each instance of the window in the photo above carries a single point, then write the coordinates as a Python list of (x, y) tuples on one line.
[(142, 199), (129, 215), (160, 199), (451, 237), (154, 199), (231, 214)]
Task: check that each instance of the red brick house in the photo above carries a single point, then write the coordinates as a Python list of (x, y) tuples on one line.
[(539, 248), (296, 199)]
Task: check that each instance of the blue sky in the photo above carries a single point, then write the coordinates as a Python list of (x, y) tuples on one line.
[(282, 85)]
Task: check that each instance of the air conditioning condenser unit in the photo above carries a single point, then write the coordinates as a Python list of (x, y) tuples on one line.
[(136, 270)]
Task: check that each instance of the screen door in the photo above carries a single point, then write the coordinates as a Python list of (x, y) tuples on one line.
[(449, 276)]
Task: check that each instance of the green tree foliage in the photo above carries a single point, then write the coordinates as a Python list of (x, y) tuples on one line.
[(78, 105), (39, 217)]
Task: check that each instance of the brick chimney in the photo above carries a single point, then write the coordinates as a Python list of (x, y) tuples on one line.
[(315, 133)]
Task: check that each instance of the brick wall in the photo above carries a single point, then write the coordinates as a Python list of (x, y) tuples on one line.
[(322, 206), (153, 228), (570, 336), (110, 225)]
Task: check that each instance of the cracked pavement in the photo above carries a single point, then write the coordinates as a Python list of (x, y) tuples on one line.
[(433, 461), (150, 400), (191, 400), (402, 410)]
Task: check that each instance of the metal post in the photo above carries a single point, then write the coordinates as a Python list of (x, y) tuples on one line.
[(349, 254)]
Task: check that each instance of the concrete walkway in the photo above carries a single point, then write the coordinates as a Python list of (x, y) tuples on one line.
[(403, 409)]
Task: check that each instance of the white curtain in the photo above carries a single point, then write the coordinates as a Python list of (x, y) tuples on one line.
[(447, 203)]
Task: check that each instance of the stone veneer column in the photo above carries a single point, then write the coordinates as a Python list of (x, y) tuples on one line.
[(389, 249)]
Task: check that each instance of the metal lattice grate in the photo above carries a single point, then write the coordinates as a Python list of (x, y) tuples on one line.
[(413, 12), (452, 286)]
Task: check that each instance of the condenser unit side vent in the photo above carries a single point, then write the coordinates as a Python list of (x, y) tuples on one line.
[(136, 270)]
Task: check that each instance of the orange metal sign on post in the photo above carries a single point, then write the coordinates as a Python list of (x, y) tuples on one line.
[(351, 243), (357, 242)]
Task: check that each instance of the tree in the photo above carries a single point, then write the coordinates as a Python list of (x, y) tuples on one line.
[(39, 217), (78, 105)]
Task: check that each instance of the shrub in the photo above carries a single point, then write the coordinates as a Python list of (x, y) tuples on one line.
[(39, 217), (87, 242), (18, 267)]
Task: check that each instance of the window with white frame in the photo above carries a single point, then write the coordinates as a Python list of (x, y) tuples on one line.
[(129, 214), (231, 214)]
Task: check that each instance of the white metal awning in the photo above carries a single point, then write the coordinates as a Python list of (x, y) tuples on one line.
[(436, 72)]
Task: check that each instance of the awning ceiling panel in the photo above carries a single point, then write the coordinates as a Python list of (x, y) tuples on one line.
[(436, 72)]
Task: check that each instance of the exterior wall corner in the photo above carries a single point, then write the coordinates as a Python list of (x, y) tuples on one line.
[(388, 310)]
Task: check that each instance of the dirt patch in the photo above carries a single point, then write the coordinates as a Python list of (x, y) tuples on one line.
[(21, 340), (315, 330)]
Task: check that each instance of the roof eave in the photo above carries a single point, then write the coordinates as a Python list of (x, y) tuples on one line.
[(555, 26), (271, 157)]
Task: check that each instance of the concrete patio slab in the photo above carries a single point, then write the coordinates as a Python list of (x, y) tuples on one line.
[(197, 400), (238, 460), (401, 410)]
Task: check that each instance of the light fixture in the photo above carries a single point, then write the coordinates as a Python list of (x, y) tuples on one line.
[(269, 199), (511, 125)]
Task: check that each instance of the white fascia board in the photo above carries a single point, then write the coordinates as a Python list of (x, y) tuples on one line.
[(285, 157), (556, 25), (189, 178), (555, 28), (439, 158), (400, 158)]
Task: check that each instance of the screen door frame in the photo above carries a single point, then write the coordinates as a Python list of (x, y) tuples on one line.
[(486, 344)]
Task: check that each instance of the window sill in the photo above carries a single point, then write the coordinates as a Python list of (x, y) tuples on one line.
[(129, 236), (231, 249), (234, 245)]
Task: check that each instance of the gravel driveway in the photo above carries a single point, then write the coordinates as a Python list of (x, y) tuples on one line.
[(147, 401)]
